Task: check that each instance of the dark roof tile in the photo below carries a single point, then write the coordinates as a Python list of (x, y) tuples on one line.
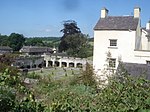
[(117, 23), (5, 48)]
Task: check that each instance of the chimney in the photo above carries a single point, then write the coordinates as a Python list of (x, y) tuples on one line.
[(148, 25), (137, 11), (104, 12)]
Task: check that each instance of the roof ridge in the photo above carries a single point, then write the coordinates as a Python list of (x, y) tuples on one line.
[(121, 16)]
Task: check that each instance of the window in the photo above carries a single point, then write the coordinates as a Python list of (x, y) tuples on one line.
[(112, 62), (148, 63), (113, 42)]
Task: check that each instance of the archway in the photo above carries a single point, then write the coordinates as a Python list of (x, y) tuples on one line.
[(71, 64), (64, 64), (50, 63), (56, 63), (34, 66), (79, 65)]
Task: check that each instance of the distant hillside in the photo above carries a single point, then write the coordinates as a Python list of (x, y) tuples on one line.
[(43, 41), (46, 38)]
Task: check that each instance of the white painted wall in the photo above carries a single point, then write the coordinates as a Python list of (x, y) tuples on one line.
[(144, 41), (124, 50)]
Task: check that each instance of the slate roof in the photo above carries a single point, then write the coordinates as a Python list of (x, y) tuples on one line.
[(5, 48), (117, 23), (135, 69), (34, 49)]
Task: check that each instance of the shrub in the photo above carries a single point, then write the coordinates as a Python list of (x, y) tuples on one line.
[(87, 76), (7, 99), (33, 75), (123, 94), (11, 88)]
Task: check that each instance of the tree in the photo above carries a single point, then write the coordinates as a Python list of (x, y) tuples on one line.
[(16, 41), (70, 28), (3, 40), (34, 42), (75, 43)]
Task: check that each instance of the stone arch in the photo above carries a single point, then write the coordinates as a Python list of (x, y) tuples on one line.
[(64, 64), (79, 65), (28, 66), (40, 65), (57, 63), (50, 63), (71, 64), (34, 66)]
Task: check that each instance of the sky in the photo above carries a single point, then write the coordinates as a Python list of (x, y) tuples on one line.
[(44, 18)]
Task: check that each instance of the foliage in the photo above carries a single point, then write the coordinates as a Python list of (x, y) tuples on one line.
[(74, 42), (28, 104), (42, 41), (7, 59), (70, 28), (5, 62), (7, 98), (123, 94), (77, 43), (33, 75), (6, 78), (34, 42), (16, 41), (11, 87), (88, 76), (3, 40)]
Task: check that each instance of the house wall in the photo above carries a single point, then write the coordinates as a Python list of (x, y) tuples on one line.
[(144, 41), (124, 50), (141, 56), (138, 43)]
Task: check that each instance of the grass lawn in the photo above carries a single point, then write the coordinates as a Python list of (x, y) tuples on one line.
[(57, 72)]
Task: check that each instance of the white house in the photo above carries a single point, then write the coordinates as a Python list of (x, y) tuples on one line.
[(120, 38)]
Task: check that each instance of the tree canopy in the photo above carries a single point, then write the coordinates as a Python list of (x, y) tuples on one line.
[(3, 40), (70, 28), (73, 41), (34, 42), (16, 41)]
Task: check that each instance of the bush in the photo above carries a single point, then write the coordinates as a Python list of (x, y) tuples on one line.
[(33, 75), (7, 99), (28, 104), (11, 88), (123, 94)]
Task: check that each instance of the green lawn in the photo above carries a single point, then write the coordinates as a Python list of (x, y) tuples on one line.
[(57, 72)]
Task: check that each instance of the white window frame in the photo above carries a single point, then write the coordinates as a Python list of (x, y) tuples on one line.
[(113, 42), (112, 62)]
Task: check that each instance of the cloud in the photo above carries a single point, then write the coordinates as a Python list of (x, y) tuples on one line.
[(48, 30)]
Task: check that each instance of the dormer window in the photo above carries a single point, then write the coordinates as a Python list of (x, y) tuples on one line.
[(113, 42)]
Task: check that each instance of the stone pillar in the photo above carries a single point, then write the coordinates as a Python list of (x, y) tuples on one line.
[(31, 64), (75, 64), (67, 64), (60, 64), (53, 63), (46, 63)]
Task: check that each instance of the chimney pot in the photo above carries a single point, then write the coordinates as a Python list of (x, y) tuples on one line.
[(137, 11), (104, 12)]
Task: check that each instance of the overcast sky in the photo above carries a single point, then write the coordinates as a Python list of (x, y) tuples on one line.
[(45, 17)]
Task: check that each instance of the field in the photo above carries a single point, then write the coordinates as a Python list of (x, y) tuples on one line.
[(57, 72)]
